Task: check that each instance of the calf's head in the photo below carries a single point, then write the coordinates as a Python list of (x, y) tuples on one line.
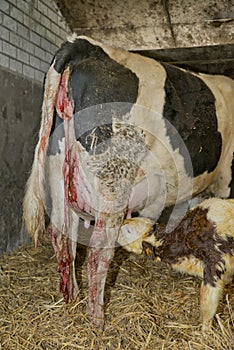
[(134, 231)]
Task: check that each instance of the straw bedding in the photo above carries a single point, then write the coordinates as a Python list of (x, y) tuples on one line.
[(148, 306)]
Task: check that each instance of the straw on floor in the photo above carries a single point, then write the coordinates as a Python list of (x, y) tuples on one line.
[(148, 306)]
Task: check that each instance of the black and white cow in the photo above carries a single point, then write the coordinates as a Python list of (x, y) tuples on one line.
[(122, 133)]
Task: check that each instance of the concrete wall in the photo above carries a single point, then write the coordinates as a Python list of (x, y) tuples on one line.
[(30, 31), (20, 101), (152, 24)]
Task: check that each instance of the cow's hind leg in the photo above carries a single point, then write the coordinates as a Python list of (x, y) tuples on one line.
[(65, 250), (73, 236), (60, 244), (101, 252)]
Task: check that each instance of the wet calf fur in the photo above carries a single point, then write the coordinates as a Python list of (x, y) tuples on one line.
[(201, 245)]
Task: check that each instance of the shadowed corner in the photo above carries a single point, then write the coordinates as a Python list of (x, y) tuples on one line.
[(23, 238)]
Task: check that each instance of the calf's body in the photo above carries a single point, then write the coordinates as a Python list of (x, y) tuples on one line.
[(201, 245)]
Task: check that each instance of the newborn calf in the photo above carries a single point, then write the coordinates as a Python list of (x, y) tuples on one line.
[(201, 245)]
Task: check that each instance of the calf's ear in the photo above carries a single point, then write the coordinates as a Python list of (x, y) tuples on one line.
[(148, 249)]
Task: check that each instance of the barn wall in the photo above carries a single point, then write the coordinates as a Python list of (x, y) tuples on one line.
[(152, 24), (30, 31)]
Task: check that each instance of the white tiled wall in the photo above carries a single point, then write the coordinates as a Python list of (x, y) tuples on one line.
[(30, 33)]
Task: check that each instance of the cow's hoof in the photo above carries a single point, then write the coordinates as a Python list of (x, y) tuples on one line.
[(98, 322)]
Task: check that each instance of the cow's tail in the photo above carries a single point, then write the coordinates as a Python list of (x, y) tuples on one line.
[(34, 199)]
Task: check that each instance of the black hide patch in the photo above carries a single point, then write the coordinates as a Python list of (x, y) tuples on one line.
[(190, 108), (56, 134), (231, 185), (100, 89)]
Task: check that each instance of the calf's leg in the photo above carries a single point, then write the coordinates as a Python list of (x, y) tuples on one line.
[(209, 299)]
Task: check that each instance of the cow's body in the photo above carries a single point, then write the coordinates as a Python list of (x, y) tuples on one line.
[(201, 245), (127, 134)]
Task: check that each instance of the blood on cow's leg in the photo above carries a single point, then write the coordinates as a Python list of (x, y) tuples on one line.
[(63, 251), (209, 300), (101, 252)]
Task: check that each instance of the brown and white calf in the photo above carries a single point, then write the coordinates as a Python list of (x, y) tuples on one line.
[(201, 245)]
